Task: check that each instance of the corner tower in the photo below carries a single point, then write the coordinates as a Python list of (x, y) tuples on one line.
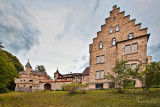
[(28, 67)]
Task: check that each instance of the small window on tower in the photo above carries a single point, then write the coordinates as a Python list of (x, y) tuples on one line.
[(114, 41), (130, 36), (100, 45), (117, 28), (111, 30)]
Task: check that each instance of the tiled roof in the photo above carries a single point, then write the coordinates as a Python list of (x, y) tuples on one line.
[(86, 71)]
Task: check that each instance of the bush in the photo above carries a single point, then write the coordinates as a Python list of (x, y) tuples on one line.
[(73, 87)]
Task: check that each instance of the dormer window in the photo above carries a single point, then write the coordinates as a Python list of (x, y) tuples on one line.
[(130, 36), (114, 41), (100, 45), (117, 28), (111, 30)]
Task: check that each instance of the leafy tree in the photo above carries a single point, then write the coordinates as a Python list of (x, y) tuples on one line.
[(148, 74), (1, 45), (119, 74), (40, 68), (7, 71), (15, 61)]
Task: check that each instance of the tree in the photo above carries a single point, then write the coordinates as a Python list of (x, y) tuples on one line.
[(148, 74), (7, 72), (119, 74), (1, 45), (40, 68), (15, 61)]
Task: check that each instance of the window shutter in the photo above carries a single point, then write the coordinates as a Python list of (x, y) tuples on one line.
[(102, 74), (97, 75), (134, 48), (133, 66), (127, 49), (98, 59), (102, 59)]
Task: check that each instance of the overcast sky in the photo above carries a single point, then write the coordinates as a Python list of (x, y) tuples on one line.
[(57, 33)]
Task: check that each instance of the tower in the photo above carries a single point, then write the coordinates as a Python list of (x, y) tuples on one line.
[(28, 67), (56, 75)]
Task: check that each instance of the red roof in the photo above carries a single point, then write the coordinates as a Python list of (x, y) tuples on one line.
[(55, 81)]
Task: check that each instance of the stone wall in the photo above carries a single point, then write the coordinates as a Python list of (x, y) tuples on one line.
[(112, 52)]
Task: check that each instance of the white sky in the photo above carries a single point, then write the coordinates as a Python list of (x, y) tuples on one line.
[(57, 33)]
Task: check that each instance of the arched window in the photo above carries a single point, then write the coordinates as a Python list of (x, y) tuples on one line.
[(100, 45), (111, 30), (130, 36), (117, 28), (114, 41)]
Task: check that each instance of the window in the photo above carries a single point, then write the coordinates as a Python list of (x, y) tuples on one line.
[(99, 86), (20, 80), (130, 36), (97, 74), (98, 59), (102, 74), (127, 49), (30, 80), (30, 87), (84, 78), (23, 85), (114, 41), (102, 58), (134, 48), (133, 66), (100, 45), (23, 80), (111, 30), (117, 28), (111, 85)]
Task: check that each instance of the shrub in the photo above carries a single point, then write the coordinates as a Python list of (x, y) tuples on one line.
[(73, 87)]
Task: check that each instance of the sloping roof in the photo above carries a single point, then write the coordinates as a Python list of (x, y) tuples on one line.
[(86, 71), (28, 65)]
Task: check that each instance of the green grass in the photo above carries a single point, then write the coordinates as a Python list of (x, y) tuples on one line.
[(94, 98)]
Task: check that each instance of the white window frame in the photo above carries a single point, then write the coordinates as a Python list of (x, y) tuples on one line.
[(98, 60), (84, 78), (130, 36), (97, 75), (102, 58), (129, 49), (102, 74), (100, 45), (133, 64), (111, 30), (117, 28), (134, 47), (114, 41)]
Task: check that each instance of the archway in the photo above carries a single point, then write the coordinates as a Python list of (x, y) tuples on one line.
[(47, 86)]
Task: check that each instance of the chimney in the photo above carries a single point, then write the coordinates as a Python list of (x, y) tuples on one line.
[(114, 7)]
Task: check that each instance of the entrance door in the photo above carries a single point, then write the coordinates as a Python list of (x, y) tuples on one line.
[(47, 86)]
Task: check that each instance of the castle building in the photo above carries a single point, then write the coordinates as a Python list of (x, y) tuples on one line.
[(119, 38), (29, 80)]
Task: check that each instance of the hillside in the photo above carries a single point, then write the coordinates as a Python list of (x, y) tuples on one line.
[(92, 98)]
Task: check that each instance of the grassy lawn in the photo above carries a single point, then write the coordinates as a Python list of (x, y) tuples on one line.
[(93, 98)]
